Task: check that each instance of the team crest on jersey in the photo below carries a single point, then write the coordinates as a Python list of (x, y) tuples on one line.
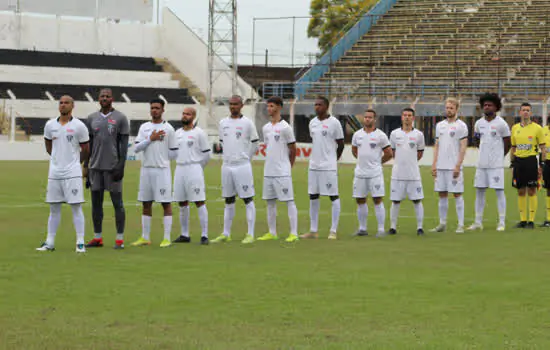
[(75, 192), (418, 189), (329, 186), (373, 145), (197, 190), (70, 138), (493, 133), (190, 143), (162, 191), (285, 190), (412, 144), (245, 188), (277, 137), (238, 134), (455, 182), (496, 178), (110, 128), (324, 133), (377, 187), (452, 133)]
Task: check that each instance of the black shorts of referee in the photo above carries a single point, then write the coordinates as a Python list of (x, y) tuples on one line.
[(546, 174), (526, 172)]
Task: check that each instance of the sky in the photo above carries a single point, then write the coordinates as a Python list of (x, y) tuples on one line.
[(273, 35)]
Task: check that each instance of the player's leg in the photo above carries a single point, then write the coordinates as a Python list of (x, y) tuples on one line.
[(53, 223), (314, 204), (203, 219), (162, 189), (458, 190), (74, 196), (167, 224), (377, 191), (184, 223), (181, 196), (415, 192), (196, 190), (546, 185), (495, 178), (229, 192), (397, 194), (520, 182), (442, 184), (244, 181), (120, 216), (269, 194), (285, 193), (481, 183), (360, 193), (330, 181), (533, 205), (78, 222), (97, 188), (146, 197)]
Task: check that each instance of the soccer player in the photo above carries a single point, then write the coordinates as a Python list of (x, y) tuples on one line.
[(66, 139), (280, 157), (494, 143), (239, 143), (408, 148), (449, 151), (546, 172), (109, 132), (371, 147), (527, 137), (327, 146), (155, 139), (192, 156)]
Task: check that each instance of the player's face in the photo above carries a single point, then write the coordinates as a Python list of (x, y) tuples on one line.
[(156, 111), (106, 98), (369, 119), (187, 116), (65, 105), (450, 110), (489, 108), (273, 109), (407, 117), (320, 107), (525, 112), (235, 106)]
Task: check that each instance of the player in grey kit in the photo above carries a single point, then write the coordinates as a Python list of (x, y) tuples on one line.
[(109, 133)]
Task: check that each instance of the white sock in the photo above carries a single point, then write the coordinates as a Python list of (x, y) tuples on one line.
[(314, 205), (501, 201), (203, 218), (419, 210), (251, 217), (362, 215), (272, 216), (293, 217), (394, 214), (167, 220), (78, 222), (335, 215), (53, 223), (228, 214), (443, 208), (146, 227), (480, 205), (459, 203), (98, 235), (380, 211), (184, 221)]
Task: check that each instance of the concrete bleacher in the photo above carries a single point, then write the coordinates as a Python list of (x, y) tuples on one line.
[(434, 48)]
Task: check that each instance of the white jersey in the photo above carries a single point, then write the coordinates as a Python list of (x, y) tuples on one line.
[(156, 154), (406, 146), (370, 148), (277, 138), (192, 145), (449, 136), (66, 140), (491, 145), (324, 134), (237, 135)]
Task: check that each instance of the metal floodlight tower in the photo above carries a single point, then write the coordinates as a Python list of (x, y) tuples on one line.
[(222, 45)]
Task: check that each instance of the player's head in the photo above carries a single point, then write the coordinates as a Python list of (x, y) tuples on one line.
[(407, 116), (525, 110), (106, 98), (490, 103), (188, 115), (451, 107), (66, 105), (156, 108), (321, 105), (369, 118), (235, 105), (274, 106)]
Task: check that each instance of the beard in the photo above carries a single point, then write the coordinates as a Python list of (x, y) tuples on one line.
[(185, 122)]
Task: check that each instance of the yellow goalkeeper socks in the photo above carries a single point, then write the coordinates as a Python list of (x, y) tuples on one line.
[(533, 204), (522, 206)]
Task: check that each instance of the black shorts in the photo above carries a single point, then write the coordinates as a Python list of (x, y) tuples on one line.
[(546, 175), (526, 172)]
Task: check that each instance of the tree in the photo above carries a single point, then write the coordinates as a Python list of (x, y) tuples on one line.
[(330, 19)]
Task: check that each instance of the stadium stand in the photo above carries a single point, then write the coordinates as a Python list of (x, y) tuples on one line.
[(434, 48)]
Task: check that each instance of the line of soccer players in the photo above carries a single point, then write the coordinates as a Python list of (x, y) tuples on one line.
[(102, 145)]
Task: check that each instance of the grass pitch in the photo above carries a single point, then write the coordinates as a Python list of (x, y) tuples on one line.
[(484, 290)]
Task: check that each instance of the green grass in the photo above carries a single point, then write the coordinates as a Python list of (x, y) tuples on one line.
[(444, 291)]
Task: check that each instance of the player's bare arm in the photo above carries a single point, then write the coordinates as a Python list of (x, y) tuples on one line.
[(292, 153), (419, 155), (461, 155), (48, 144), (354, 151), (340, 148), (436, 154), (84, 151), (388, 154), (507, 144)]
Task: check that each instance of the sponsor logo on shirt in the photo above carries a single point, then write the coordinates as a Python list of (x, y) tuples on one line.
[(111, 121)]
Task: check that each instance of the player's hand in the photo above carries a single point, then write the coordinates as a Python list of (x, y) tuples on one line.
[(117, 174), (85, 172), (217, 147), (540, 171), (456, 172), (434, 171), (157, 135)]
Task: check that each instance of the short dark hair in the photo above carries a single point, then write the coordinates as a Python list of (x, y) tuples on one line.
[(276, 100), (324, 99), (408, 109), (370, 110), (157, 100), (526, 104), (490, 97)]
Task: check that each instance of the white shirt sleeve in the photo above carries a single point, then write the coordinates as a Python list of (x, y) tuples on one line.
[(421, 143), (140, 136), (504, 129), (172, 139), (48, 131), (289, 135), (83, 135), (437, 132), (476, 129), (253, 132), (463, 131), (338, 132), (141, 141), (384, 142), (392, 140), (354, 140), (220, 131)]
